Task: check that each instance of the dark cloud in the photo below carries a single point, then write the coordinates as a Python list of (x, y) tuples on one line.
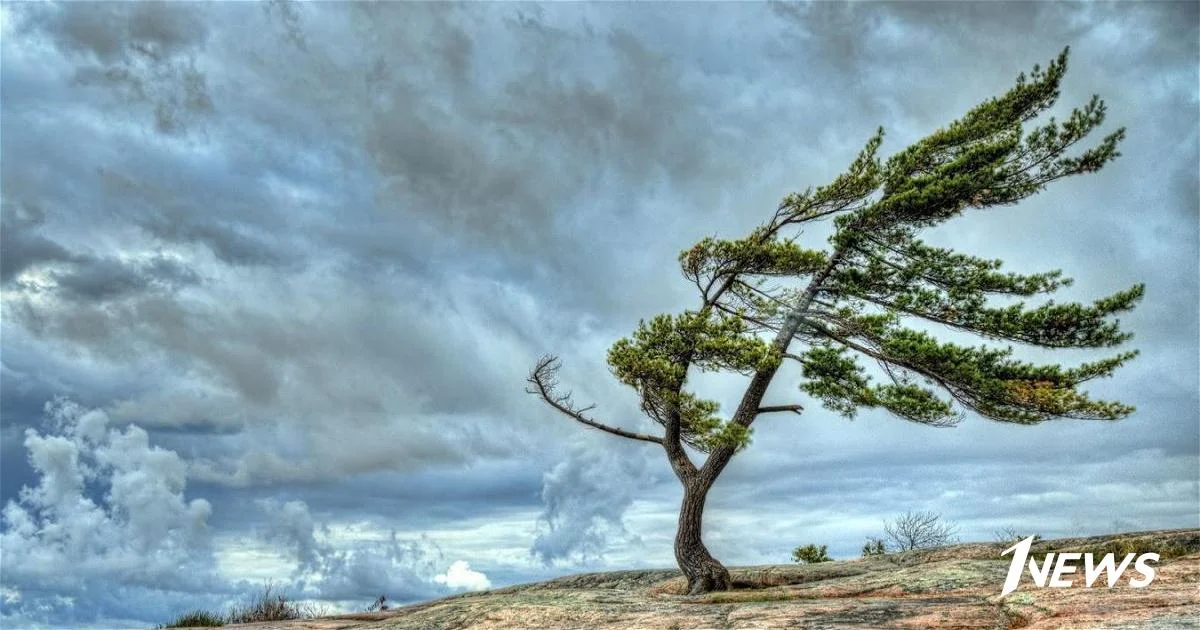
[(113, 32), (141, 53), (21, 247), (317, 273), (104, 279)]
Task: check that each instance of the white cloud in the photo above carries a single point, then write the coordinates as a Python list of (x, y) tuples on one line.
[(460, 575), (338, 568), (107, 516), (585, 497)]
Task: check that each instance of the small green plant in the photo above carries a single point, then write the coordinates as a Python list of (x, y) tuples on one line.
[(874, 547), (196, 619), (811, 554)]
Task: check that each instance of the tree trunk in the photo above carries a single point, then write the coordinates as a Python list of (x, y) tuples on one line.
[(704, 574)]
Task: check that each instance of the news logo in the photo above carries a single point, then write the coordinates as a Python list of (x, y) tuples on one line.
[(1066, 563)]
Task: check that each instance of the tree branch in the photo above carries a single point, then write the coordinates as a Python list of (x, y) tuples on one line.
[(955, 392), (778, 408), (544, 380), (747, 409)]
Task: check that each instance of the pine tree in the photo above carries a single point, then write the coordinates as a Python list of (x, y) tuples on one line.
[(856, 299)]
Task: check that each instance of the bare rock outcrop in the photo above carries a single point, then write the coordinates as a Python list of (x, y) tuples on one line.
[(950, 587)]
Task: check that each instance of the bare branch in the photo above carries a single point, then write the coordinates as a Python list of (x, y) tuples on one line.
[(797, 409), (797, 358), (544, 379)]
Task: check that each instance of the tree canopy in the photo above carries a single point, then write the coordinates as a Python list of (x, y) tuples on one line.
[(876, 277)]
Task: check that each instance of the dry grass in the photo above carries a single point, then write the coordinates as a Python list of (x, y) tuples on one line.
[(270, 605)]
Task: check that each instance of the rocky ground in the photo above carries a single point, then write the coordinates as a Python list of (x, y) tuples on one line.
[(952, 587)]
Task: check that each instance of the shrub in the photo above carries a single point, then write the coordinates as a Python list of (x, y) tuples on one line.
[(919, 530), (811, 554), (196, 619), (874, 547)]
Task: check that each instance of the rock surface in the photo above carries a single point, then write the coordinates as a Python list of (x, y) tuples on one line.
[(951, 587)]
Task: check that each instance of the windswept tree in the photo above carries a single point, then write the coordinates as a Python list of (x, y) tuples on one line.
[(872, 294)]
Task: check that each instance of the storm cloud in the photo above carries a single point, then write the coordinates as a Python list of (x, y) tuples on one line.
[(274, 269)]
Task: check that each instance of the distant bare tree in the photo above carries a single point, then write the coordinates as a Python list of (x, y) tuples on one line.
[(1006, 534), (919, 530), (1010, 534)]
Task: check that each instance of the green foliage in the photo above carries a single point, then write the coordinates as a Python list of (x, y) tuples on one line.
[(835, 379), (654, 357), (756, 254), (810, 554), (985, 159), (874, 547), (653, 361), (879, 276), (953, 289), (196, 619)]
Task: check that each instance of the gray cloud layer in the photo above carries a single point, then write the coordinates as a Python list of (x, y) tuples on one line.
[(318, 272)]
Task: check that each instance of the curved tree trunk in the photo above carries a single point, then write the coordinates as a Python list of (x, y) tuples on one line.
[(704, 574)]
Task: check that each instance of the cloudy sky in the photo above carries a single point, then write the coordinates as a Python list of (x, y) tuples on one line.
[(274, 274)]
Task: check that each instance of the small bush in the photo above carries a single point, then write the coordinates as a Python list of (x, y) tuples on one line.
[(269, 605), (196, 619), (874, 547), (1172, 549), (811, 554)]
